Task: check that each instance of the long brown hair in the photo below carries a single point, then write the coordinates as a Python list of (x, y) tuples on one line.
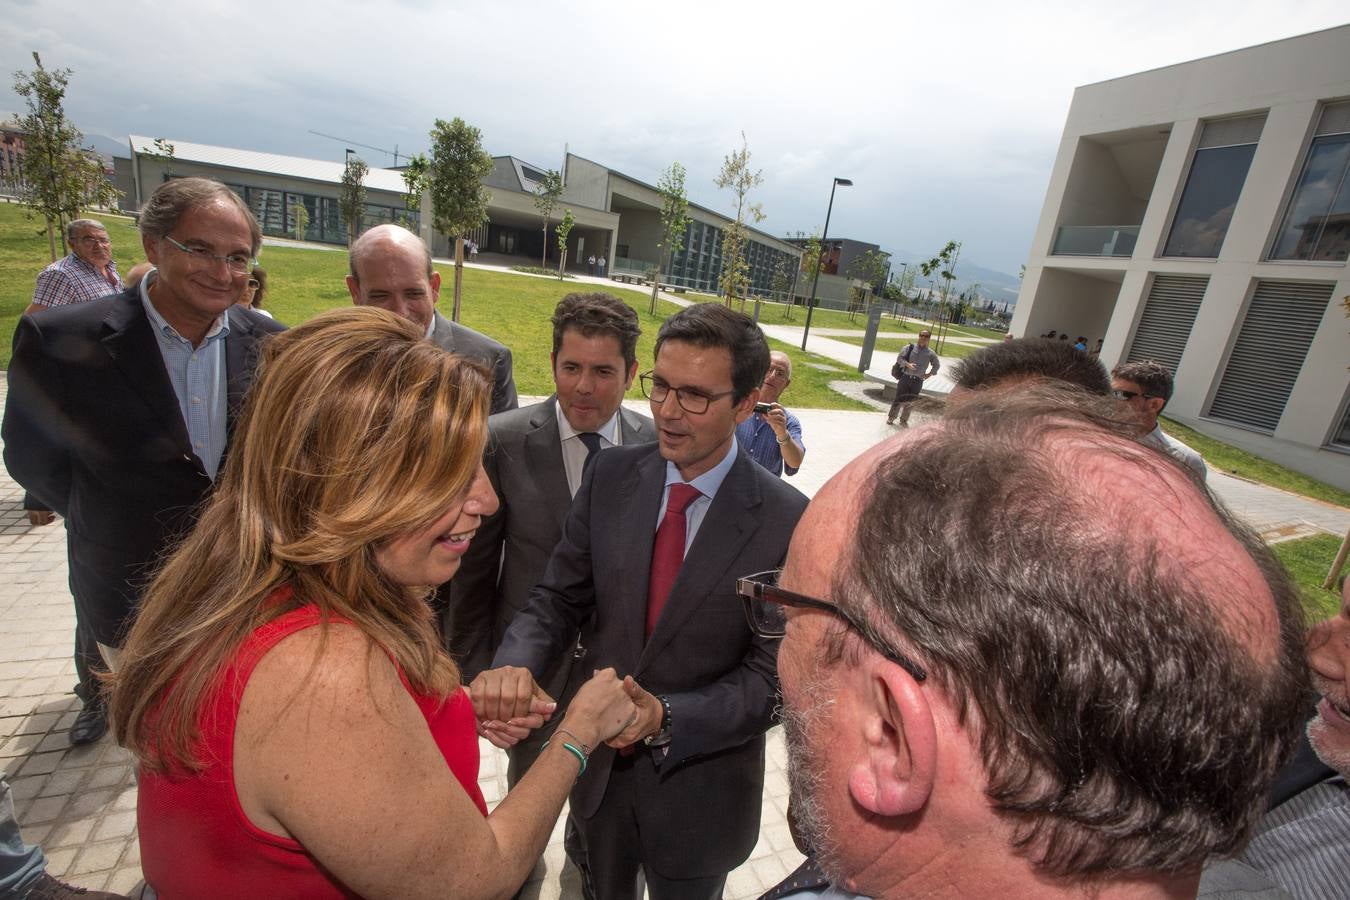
[(356, 431)]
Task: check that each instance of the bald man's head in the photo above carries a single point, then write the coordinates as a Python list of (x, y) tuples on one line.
[(391, 268), (1127, 656)]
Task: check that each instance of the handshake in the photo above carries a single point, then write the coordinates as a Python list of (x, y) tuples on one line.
[(607, 709)]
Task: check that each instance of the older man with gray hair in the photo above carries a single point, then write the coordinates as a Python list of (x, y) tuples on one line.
[(87, 273), (1023, 694)]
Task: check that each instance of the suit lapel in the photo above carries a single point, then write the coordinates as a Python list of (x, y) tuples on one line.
[(543, 453), (129, 339), (241, 356), (634, 531), (727, 525), (631, 427), (443, 333)]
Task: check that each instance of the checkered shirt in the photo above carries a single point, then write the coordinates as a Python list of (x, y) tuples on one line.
[(72, 280)]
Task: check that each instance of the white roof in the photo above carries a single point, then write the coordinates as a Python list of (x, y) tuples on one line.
[(273, 163)]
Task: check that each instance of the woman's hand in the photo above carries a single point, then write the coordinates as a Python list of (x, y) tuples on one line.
[(601, 709)]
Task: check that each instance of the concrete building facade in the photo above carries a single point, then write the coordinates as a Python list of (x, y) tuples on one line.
[(1199, 214)]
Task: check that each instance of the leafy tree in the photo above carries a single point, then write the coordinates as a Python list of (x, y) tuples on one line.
[(674, 222), (944, 266), (59, 178), (546, 197), (869, 268), (737, 175), (458, 199), (562, 231), (416, 178), (352, 195), (300, 213)]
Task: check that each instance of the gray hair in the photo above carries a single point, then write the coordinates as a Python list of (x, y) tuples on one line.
[(172, 199), (74, 228), (395, 234)]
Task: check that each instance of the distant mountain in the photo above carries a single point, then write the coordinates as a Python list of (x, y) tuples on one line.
[(106, 146), (997, 286)]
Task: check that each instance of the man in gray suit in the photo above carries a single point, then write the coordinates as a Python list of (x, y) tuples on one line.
[(647, 566), (391, 268), (535, 459)]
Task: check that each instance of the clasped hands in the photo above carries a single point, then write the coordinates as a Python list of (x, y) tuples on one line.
[(509, 705)]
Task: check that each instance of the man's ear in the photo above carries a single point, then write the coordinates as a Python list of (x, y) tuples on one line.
[(896, 770), (746, 407), (1155, 405), (354, 289)]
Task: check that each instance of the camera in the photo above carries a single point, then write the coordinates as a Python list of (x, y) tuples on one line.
[(763, 407)]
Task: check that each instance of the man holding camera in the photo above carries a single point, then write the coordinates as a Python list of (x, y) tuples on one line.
[(773, 436)]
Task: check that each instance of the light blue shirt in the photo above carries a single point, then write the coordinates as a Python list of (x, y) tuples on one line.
[(707, 484), (198, 378)]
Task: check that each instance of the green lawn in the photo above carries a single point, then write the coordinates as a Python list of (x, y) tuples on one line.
[(1308, 561), (303, 282), (1227, 458)]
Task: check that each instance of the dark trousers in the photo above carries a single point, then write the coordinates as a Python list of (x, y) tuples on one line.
[(614, 845), (88, 661)]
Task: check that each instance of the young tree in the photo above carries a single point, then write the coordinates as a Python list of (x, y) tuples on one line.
[(352, 195), (674, 222), (416, 177), (869, 268), (813, 257), (59, 178), (736, 174), (563, 230), (944, 265), (300, 213), (546, 197), (458, 198)]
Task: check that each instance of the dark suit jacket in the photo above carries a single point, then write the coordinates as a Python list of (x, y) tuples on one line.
[(466, 342), (524, 462), (720, 679), (93, 429)]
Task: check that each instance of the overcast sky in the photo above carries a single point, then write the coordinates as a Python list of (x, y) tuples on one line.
[(946, 116)]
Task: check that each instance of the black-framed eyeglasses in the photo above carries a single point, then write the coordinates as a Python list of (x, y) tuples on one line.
[(765, 604), (202, 258), (690, 400), (96, 241)]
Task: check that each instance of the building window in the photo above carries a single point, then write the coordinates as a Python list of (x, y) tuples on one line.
[(1317, 223), (1342, 436), (1211, 193)]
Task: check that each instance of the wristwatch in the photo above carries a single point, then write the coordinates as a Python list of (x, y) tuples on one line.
[(662, 736)]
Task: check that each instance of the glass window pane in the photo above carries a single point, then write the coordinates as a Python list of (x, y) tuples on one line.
[(1207, 203), (1317, 225)]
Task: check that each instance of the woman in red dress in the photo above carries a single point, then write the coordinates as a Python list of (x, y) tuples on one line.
[(299, 728)]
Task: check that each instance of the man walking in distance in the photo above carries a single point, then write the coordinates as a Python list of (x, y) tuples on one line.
[(1145, 387), (647, 563), (120, 409), (915, 365), (87, 273), (773, 438), (391, 268)]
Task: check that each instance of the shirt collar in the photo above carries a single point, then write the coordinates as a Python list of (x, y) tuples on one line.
[(431, 326), (75, 260), (219, 328), (710, 481), (609, 431)]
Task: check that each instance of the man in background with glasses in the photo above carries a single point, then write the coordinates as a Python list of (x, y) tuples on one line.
[(1145, 387), (87, 273), (1019, 697), (119, 409), (647, 564), (773, 436)]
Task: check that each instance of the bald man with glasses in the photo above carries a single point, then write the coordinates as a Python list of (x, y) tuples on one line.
[(119, 409)]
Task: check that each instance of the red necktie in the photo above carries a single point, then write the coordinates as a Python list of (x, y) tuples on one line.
[(668, 551)]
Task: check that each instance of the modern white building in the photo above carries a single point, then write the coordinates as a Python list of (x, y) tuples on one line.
[(1199, 214)]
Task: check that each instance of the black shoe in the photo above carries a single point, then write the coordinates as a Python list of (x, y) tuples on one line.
[(91, 724), (48, 888)]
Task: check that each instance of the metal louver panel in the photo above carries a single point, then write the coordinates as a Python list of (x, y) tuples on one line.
[(1269, 352), (1165, 326)]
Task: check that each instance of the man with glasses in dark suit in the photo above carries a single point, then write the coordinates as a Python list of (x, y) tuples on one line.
[(120, 409), (647, 564)]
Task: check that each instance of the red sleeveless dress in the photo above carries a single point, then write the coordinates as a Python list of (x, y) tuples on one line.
[(196, 840)]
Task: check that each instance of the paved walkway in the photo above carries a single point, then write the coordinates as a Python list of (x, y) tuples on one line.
[(79, 803)]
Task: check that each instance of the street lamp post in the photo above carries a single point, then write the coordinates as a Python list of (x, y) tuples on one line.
[(811, 304)]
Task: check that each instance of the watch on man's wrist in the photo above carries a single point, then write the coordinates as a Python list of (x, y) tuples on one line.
[(662, 736)]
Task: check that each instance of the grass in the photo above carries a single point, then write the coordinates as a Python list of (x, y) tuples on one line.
[(303, 282), (1308, 561), (890, 345), (1227, 458)]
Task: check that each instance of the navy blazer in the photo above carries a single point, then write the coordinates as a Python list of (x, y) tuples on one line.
[(93, 429), (720, 679)]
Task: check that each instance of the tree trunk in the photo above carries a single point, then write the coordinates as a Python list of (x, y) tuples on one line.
[(543, 257), (459, 277), (656, 282), (51, 239)]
